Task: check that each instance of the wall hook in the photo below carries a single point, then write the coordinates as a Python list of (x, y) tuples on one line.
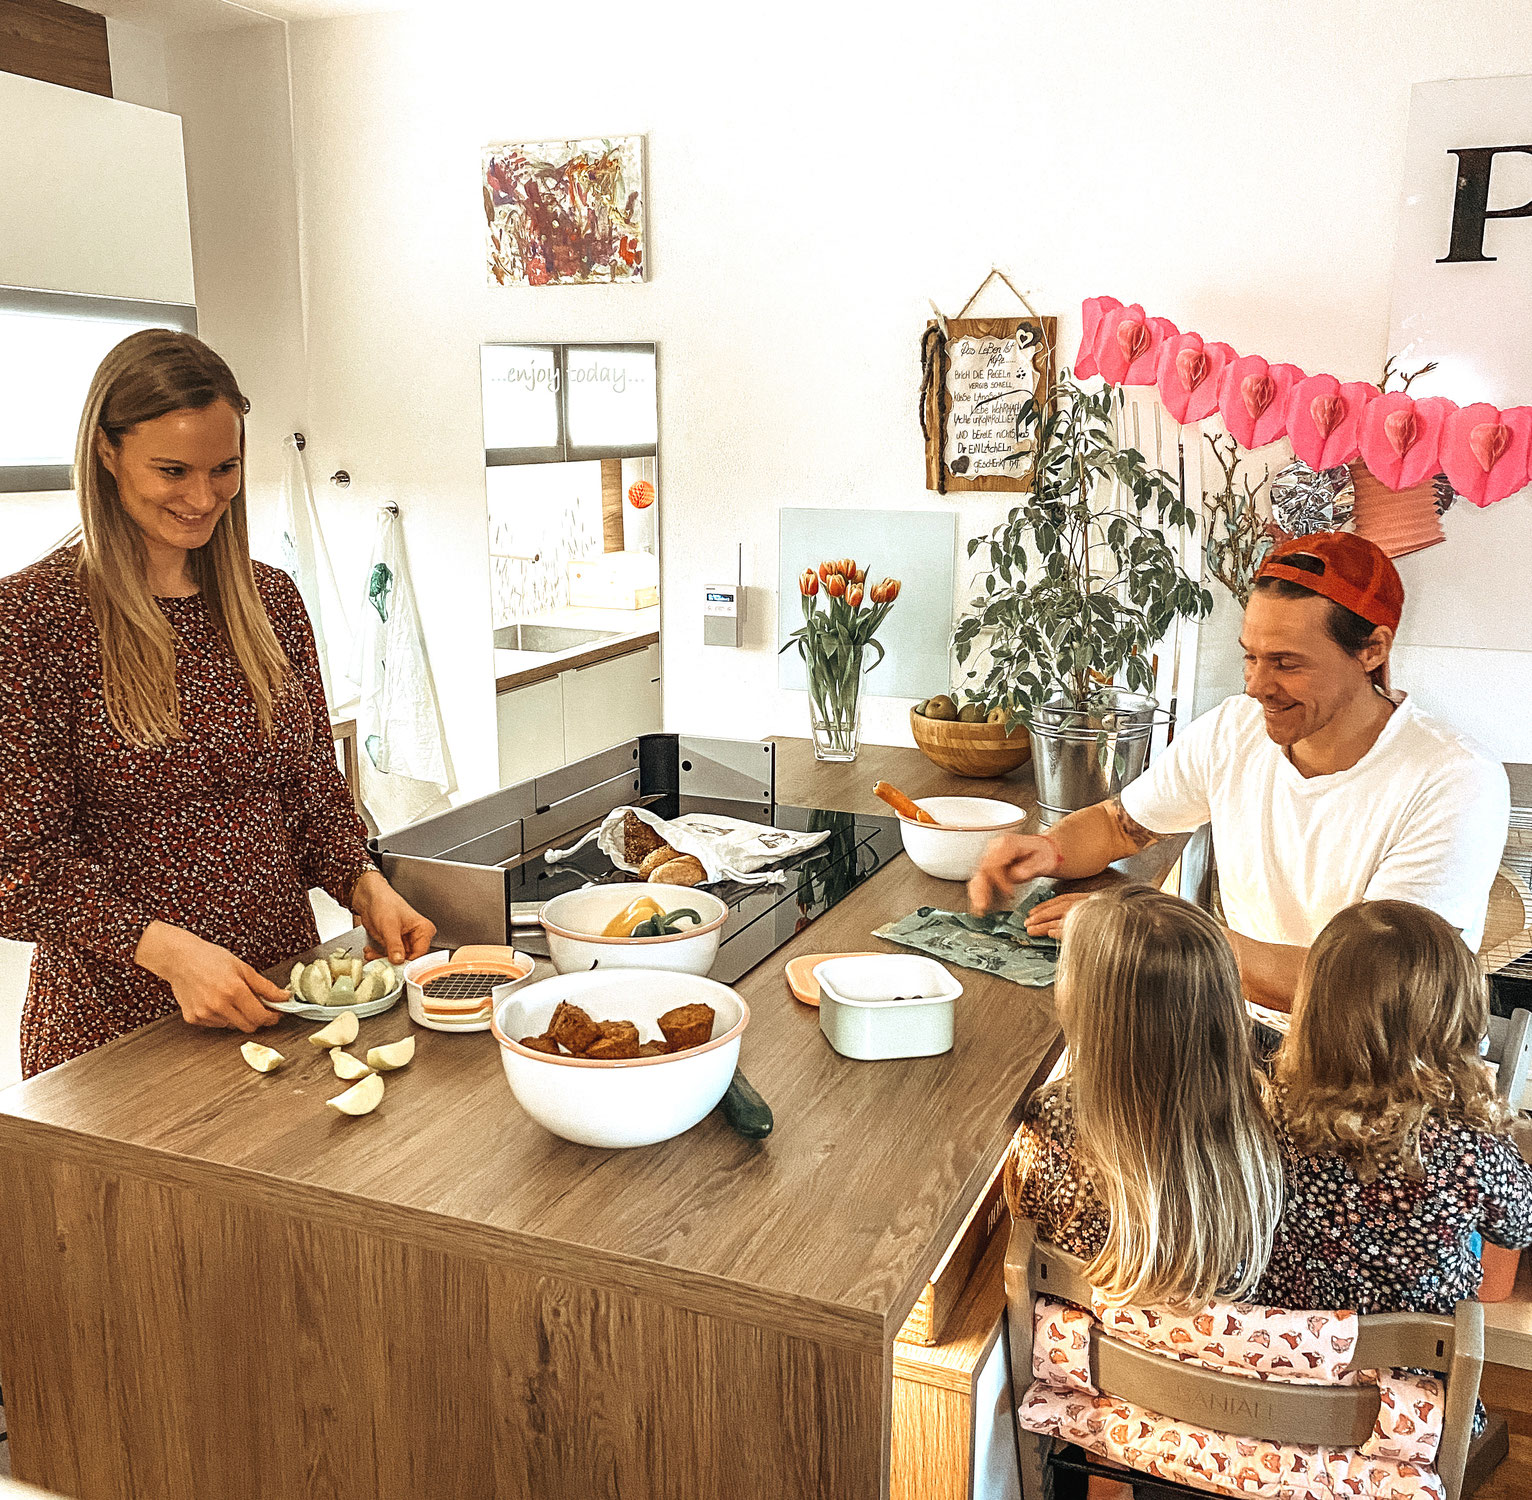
[(300, 442), (340, 477)]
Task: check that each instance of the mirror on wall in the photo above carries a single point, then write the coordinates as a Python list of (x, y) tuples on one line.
[(572, 488)]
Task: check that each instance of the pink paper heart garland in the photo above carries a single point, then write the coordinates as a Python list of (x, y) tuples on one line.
[(1252, 399), (1190, 374), (1486, 452), (1127, 347), (1092, 310), (1401, 437), (1323, 417)]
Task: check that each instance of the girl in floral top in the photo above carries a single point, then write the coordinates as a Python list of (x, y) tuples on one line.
[(1154, 1159), (168, 788), (1395, 1147)]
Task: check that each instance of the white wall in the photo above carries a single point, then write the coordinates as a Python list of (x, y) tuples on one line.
[(813, 179)]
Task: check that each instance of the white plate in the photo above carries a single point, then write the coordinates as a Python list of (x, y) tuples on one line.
[(329, 1012)]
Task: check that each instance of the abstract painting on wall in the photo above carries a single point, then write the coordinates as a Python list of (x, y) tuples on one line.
[(563, 213)]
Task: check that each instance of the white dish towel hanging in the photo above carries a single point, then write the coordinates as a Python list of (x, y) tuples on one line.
[(306, 560), (405, 774)]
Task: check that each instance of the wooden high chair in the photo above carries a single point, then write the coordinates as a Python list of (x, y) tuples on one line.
[(1332, 1416)]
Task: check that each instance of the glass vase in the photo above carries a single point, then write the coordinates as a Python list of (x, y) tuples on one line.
[(835, 705)]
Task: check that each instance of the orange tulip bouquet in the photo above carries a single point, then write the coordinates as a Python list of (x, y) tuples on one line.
[(832, 644)]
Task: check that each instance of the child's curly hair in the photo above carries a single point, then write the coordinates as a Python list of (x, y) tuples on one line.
[(1387, 1023)]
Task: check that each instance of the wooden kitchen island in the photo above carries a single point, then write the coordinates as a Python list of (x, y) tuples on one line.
[(211, 1287)]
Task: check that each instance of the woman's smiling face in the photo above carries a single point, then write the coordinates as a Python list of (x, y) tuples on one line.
[(176, 475)]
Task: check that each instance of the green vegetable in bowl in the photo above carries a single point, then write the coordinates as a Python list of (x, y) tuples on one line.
[(665, 924)]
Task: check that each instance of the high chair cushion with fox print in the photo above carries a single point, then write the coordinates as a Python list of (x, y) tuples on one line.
[(1260, 1344)]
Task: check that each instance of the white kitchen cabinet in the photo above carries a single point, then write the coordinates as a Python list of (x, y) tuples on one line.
[(610, 701), (531, 724)]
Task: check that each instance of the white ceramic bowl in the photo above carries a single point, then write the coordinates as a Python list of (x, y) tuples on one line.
[(875, 1005), (574, 921), (635, 1102), (952, 850)]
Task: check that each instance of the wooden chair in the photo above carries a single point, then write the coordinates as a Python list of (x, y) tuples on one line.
[(1335, 1416)]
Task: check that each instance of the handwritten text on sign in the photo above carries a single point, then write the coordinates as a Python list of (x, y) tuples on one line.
[(987, 380)]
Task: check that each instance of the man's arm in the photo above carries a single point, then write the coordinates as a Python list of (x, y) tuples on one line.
[(1268, 971), (1082, 844)]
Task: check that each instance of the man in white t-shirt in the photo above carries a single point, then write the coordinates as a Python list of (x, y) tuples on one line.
[(1322, 788)]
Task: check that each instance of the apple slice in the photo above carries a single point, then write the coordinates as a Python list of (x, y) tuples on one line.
[(341, 1032), (360, 1099), (348, 1067), (394, 1055), (262, 1059)]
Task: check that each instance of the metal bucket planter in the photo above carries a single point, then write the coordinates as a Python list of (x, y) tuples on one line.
[(1083, 756)]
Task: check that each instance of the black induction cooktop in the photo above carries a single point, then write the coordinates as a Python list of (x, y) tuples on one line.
[(761, 917)]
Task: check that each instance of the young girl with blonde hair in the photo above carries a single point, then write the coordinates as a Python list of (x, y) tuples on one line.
[(1396, 1149), (1153, 1159)]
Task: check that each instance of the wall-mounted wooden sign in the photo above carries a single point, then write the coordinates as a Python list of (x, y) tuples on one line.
[(977, 373)]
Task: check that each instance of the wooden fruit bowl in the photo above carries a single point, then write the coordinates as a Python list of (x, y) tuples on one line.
[(982, 751)]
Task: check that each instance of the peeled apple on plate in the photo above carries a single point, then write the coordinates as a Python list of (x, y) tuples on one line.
[(262, 1059), (361, 1098), (340, 1032), (342, 979), (394, 1055), (346, 1066)]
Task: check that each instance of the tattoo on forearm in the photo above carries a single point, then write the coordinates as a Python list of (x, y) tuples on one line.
[(1135, 833)]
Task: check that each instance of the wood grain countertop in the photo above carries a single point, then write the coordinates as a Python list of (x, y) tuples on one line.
[(829, 1226), (577, 656)]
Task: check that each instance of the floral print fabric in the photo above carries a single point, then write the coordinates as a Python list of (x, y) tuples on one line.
[(222, 832), (1395, 1463)]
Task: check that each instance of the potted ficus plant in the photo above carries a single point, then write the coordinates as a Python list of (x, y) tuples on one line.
[(1083, 581)]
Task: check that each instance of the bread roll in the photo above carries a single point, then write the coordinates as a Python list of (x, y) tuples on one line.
[(661, 856), (684, 870)]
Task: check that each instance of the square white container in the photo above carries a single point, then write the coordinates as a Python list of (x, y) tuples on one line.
[(862, 1014)]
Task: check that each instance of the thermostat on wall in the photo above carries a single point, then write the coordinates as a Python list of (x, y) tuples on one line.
[(720, 614)]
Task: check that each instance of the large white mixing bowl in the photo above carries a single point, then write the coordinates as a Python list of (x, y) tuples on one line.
[(574, 922), (634, 1102)]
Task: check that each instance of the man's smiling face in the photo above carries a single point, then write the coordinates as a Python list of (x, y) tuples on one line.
[(1295, 669)]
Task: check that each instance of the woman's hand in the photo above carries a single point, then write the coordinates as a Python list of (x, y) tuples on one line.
[(395, 930), (1011, 860), (211, 985)]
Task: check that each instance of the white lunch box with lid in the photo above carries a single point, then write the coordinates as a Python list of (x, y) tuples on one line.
[(886, 1005)]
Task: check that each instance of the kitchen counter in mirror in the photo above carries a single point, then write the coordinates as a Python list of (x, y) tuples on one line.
[(617, 632), (249, 1296)]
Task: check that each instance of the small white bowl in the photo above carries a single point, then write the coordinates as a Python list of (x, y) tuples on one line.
[(574, 921), (636, 1101), (881, 1005), (952, 849)]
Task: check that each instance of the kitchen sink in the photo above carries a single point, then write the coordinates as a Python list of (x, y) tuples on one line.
[(548, 638)]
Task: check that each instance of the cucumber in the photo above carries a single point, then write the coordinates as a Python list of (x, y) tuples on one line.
[(745, 1110)]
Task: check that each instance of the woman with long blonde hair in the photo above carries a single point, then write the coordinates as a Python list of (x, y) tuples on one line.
[(1153, 1158), (1396, 1148), (168, 786)]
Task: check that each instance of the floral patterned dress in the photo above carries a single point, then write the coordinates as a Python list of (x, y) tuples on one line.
[(222, 832)]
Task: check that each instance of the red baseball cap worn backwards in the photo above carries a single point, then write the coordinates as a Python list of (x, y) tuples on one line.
[(1355, 573)]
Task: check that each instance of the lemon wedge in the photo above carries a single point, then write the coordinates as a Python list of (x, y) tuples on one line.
[(341, 1032), (394, 1055), (348, 1067), (360, 1099), (262, 1059)]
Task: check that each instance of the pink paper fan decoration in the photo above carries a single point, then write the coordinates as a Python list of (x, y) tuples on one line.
[(1128, 346), (1092, 310), (1189, 376), (1322, 419), (1401, 436), (1252, 399), (1486, 452)]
